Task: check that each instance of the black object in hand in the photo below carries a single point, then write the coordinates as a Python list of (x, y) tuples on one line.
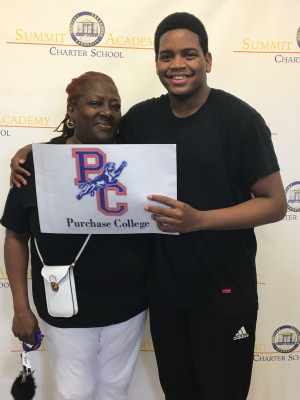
[(23, 387)]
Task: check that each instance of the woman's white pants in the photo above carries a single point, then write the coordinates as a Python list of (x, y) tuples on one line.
[(94, 363)]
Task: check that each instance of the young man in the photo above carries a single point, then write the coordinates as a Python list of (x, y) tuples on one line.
[(203, 284)]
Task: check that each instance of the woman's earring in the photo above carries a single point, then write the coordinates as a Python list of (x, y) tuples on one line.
[(70, 124)]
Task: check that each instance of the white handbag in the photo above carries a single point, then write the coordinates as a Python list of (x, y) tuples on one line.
[(60, 286)]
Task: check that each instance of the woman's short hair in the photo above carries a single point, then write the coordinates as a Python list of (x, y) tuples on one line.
[(74, 88)]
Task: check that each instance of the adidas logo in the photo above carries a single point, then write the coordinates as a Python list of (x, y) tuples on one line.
[(242, 334)]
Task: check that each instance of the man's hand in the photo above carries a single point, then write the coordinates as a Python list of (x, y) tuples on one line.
[(24, 325), (17, 172), (180, 217), (268, 205)]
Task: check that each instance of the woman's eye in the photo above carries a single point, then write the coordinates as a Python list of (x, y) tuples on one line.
[(95, 103), (116, 107)]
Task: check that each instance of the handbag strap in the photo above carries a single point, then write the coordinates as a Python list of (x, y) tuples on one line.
[(76, 258)]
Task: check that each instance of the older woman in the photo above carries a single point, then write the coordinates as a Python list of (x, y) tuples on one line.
[(93, 353)]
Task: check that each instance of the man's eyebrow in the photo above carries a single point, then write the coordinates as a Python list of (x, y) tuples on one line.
[(191, 49), (166, 51), (182, 50)]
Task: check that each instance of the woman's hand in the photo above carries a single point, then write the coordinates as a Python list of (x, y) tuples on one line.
[(24, 325), (17, 172)]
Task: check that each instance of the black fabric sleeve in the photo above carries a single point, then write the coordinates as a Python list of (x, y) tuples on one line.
[(15, 216), (257, 156)]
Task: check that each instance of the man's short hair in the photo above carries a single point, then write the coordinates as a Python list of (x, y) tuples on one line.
[(181, 20)]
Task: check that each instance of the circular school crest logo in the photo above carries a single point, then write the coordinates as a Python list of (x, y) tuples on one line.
[(298, 37), (286, 339), (87, 29), (293, 196)]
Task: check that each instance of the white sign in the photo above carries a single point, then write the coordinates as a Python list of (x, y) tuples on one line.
[(101, 189)]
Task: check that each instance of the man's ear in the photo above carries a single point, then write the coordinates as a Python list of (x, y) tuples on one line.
[(208, 59), (156, 64)]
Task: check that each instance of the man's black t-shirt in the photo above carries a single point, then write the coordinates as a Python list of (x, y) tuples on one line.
[(222, 150)]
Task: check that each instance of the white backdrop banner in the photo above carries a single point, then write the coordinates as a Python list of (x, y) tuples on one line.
[(103, 189), (255, 48)]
